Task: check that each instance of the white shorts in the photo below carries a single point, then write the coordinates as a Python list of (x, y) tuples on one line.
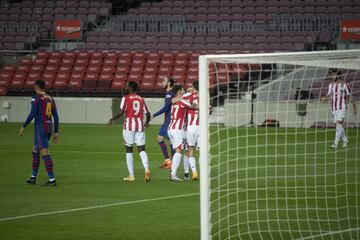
[(177, 138), (131, 137), (339, 115), (192, 135)]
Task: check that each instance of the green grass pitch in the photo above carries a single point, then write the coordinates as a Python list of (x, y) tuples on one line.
[(259, 178)]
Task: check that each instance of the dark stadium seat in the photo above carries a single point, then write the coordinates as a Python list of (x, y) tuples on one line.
[(3, 91), (119, 81)]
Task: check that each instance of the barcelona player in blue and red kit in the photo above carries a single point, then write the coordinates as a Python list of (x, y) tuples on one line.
[(167, 84), (43, 109)]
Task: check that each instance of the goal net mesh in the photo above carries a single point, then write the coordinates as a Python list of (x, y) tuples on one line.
[(272, 174)]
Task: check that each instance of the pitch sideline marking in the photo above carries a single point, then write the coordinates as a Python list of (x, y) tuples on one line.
[(96, 207)]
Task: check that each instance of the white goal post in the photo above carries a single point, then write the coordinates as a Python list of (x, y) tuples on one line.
[(276, 182)]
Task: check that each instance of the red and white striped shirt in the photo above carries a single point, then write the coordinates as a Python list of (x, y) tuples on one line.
[(134, 107), (338, 93), (178, 115), (193, 114)]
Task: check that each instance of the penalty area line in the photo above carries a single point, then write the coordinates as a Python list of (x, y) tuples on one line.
[(96, 207)]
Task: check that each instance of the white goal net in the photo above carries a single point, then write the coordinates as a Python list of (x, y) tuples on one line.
[(267, 167)]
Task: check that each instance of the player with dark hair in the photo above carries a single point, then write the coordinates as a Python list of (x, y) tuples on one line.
[(43, 109), (167, 84), (134, 108), (337, 92)]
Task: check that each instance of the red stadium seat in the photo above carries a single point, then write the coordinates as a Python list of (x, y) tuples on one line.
[(83, 55), (135, 77), (26, 61), (49, 78), (79, 69), (75, 81), (31, 78), (111, 55), (23, 68), (153, 55), (124, 61), (138, 62), (54, 61), (51, 68), (136, 69), (65, 69), (96, 61), (108, 69), (139, 55), (150, 69), (167, 61), (122, 69), (61, 81), (165, 69), (40, 61), (191, 78), (68, 61), (18, 81), (179, 69), (55, 54), (90, 81), (5, 78), (193, 69), (97, 55), (110, 62), (167, 55), (42, 54), (104, 82), (119, 81), (82, 61), (9, 68), (159, 80), (152, 61), (69, 55), (37, 68), (93, 69), (181, 62), (148, 82)]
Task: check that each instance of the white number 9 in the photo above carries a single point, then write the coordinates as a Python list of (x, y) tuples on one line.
[(136, 107)]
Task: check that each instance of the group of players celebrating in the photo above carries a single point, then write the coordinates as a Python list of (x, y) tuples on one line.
[(180, 128)]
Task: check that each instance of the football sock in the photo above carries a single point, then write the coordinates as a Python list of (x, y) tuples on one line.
[(35, 163), (164, 149), (172, 150), (144, 159), (175, 163), (339, 133), (186, 164), (344, 138), (130, 163), (49, 167), (192, 164)]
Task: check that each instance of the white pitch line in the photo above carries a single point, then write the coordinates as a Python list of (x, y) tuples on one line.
[(96, 207)]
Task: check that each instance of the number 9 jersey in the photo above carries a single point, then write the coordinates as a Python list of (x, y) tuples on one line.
[(134, 107)]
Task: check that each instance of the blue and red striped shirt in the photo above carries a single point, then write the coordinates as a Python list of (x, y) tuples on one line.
[(43, 109)]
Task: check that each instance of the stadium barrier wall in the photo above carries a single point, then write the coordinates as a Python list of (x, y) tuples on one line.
[(238, 113), (74, 110)]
